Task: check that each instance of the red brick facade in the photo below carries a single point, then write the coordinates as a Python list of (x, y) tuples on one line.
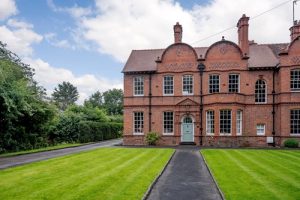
[(270, 63)]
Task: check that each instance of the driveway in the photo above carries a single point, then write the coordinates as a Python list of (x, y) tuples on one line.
[(185, 178), (28, 158)]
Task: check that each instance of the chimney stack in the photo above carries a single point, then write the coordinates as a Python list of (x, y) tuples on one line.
[(177, 33), (295, 30), (243, 34)]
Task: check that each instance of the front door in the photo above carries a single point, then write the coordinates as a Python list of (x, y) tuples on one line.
[(187, 128)]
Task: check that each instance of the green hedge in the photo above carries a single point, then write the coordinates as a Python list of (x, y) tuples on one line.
[(291, 143), (90, 131)]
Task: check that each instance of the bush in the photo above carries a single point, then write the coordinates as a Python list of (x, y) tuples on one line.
[(152, 138), (291, 143), (90, 131)]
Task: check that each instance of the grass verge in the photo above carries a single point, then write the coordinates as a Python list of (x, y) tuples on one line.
[(59, 146), (255, 174), (106, 173)]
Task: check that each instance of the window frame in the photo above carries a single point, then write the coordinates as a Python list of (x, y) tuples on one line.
[(292, 84), (238, 83), (239, 121), (192, 84), (295, 124), (256, 93), (210, 86), (264, 129), (165, 85), (134, 85), (212, 123), (163, 124), (223, 133), (134, 125)]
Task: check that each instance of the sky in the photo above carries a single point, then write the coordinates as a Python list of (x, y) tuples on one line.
[(87, 42)]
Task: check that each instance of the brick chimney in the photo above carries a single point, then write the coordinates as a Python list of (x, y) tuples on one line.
[(243, 34), (177, 33), (295, 30)]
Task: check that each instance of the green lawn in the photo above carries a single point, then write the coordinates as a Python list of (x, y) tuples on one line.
[(107, 173), (59, 146), (256, 174)]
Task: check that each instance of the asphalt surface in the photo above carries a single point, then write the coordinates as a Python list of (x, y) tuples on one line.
[(28, 158), (185, 178)]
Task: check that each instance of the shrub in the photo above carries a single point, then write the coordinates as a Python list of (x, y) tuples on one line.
[(291, 143), (152, 138), (90, 131)]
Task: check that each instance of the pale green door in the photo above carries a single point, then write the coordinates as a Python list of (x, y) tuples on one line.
[(187, 130)]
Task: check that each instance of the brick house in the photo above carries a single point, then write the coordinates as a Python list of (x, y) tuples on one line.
[(227, 94)]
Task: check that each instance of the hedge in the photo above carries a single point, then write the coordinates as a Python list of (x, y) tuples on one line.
[(90, 131)]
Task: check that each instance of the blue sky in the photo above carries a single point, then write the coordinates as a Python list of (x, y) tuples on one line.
[(87, 42)]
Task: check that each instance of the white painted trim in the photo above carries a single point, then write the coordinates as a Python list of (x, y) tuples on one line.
[(134, 133), (181, 127), (163, 88), (241, 133), (192, 85), (295, 134), (261, 134), (206, 124), (265, 92), (163, 128), (225, 134), (133, 87)]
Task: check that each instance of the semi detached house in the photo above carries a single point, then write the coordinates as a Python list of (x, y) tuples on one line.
[(227, 94)]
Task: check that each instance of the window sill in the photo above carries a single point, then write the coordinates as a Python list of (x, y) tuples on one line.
[(295, 134), (168, 94), (261, 103), (138, 134), (168, 134), (261, 134), (296, 91), (140, 95), (210, 134), (225, 134)]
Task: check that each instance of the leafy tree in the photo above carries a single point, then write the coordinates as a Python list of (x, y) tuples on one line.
[(95, 100), (24, 116), (66, 94), (113, 101)]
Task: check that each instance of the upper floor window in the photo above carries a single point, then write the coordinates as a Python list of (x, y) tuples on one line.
[(239, 122), (260, 91), (187, 84), (214, 83), (168, 122), (233, 83), (295, 80), (210, 122), (138, 122), (295, 121), (225, 121), (168, 85), (138, 84)]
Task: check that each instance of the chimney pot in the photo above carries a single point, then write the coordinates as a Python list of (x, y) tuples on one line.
[(295, 30)]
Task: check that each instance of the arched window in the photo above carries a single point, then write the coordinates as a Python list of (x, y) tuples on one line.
[(260, 91)]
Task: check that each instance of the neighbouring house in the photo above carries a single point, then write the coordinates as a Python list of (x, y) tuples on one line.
[(227, 94)]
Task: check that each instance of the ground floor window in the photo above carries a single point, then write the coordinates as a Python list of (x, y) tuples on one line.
[(168, 122), (138, 120), (210, 122), (295, 121), (225, 121), (239, 122), (260, 129)]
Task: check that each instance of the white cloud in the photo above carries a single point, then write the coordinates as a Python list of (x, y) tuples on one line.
[(117, 28), (49, 77), (75, 11), (19, 37), (7, 9)]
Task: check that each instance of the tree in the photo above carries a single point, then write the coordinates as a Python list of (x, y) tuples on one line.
[(66, 94), (95, 100), (113, 101), (23, 114)]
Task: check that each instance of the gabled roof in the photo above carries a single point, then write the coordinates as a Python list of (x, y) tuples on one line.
[(260, 55)]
